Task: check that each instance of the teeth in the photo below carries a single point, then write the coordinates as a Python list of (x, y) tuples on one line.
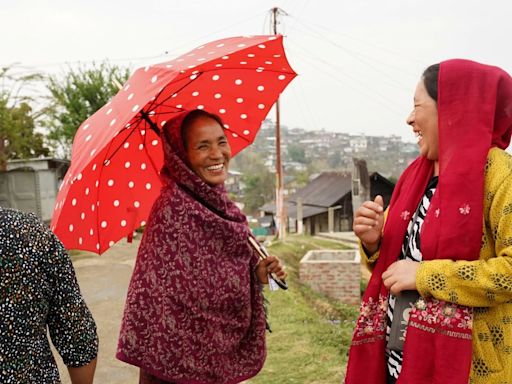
[(419, 136), (215, 167)]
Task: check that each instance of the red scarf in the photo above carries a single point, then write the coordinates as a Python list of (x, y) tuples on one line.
[(474, 114), (194, 312)]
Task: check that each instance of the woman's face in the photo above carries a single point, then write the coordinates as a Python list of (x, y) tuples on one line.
[(208, 150), (423, 120)]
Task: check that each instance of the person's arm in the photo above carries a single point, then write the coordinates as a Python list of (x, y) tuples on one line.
[(480, 283), (268, 265), (83, 374), (71, 326)]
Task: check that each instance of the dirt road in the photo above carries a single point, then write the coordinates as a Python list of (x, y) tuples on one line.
[(104, 281)]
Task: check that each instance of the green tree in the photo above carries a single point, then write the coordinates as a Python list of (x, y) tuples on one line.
[(18, 139), (76, 96), (296, 153)]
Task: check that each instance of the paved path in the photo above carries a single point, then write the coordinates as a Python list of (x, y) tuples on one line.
[(104, 282)]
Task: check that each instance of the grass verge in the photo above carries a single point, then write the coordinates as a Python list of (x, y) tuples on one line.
[(311, 333)]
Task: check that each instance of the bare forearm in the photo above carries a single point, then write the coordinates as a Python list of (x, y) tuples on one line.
[(84, 374)]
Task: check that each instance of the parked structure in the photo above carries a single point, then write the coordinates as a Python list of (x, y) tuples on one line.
[(31, 185)]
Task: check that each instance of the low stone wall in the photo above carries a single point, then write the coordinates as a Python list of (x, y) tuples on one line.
[(336, 273)]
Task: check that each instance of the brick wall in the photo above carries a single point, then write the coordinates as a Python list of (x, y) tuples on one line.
[(334, 273)]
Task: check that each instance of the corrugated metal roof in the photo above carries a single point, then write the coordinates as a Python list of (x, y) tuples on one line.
[(325, 190)]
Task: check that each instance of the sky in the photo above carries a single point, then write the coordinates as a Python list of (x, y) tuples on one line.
[(358, 61)]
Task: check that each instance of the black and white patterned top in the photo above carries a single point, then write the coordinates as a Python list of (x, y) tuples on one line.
[(410, 250), (39, 293)]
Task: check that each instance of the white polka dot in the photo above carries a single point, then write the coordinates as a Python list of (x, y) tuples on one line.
[(112, 122), (94, 167), (281, 77), (126, 145), (225, 57), (148, 186), (241, 45), (110, 243), (106, 163), (130, 96), (238, 82), (222, 111), (234, 134), (200, 106), (80, 240), (239, 100), (88, 137), (268, 62), (243, 116), (262, 46), (103, 224), (135, 108), (143, 166), (127, 164), (141, 147), (79, 176), (243, 62), (136, 204), (85, 127), (93, 207), (93, 152), (179, 106), (109, 111), (71, 227), (127, 86), (98, 246), (251, 55), (195, 93), (110, 183), (259, 70), (154, 143), (154, 79), (73, 202), (218, 65), (142, 132), (131, 184), (215, 77), (152, 113), (123, 223), (163, 123), (217, 95), (174, 95), (91, 232), (116, 203), (246, 132), (82, 215), (261, 106), (260, 88), (86, 191), (220, 45), (143, 223), (276, 56)]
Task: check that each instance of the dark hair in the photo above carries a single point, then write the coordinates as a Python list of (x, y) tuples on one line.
[(193, 116), (430, 79)]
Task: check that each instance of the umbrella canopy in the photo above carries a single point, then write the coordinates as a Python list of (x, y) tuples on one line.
[(117, 153)]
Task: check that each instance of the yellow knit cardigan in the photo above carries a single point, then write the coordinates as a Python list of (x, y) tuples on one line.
[(486, 283)]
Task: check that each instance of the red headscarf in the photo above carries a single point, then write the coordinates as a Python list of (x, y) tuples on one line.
[(474, 114), (194, 311)]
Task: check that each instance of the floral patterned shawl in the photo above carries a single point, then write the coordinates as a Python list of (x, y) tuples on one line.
[(194, 311), (474, 114)]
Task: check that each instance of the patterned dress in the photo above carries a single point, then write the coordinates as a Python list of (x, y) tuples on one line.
[(410, 250), (39, 293)]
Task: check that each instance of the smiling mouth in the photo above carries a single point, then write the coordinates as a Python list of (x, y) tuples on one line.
[(419, 136), (215, 168)]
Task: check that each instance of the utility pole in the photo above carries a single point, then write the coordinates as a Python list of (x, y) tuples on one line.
[(280, 208)]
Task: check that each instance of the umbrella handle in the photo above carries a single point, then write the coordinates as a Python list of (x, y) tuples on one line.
[(263, 255)]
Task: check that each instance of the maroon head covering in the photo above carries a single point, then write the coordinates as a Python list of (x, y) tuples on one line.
[(194, 311), (474, 114)]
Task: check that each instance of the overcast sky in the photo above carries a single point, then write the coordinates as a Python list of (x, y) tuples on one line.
[(358, 61)]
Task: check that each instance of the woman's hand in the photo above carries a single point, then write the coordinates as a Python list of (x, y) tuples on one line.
[(401, 276), (268, 265), (368, 223)]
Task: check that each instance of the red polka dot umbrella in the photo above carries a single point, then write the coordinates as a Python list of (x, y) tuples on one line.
[(114, 179)]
